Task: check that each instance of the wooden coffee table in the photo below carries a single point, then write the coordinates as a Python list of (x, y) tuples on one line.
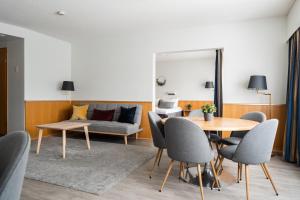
[(63, 126)]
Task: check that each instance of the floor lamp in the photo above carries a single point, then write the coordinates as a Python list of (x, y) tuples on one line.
[(259, 82)]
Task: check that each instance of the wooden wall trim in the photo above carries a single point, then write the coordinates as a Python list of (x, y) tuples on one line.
[(39, 101), (112, 101), (39, 112)]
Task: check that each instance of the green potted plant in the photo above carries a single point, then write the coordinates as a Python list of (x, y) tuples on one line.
[(208, 111), (189, 106)]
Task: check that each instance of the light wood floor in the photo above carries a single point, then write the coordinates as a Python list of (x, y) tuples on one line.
[(139, 186)]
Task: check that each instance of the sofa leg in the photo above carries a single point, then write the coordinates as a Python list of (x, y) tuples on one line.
[(136, 136), (125, 139)]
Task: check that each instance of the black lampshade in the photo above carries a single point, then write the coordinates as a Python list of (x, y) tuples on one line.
[(258, 82), (209, 84), (68, 85)]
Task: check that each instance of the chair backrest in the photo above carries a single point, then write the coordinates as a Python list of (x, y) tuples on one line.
[(254, 116), (196, 113), (256, 147), (14, 149), (157, 130), (186, 141)]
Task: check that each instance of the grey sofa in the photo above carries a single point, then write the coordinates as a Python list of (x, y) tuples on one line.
[(114, 127), (14, 150)]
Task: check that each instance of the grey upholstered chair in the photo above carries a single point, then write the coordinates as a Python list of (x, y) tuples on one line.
[(14, 149), (186, 142), (254, 149), (158, 137), (236, 136), (196, 113)]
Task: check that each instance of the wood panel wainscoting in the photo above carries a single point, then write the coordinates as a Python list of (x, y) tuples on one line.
[(43, 112), (236, 110)]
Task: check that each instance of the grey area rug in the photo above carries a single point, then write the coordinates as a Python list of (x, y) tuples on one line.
[(93, 171)]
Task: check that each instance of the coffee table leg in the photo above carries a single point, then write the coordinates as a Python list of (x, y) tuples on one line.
[(86, 131), (39, 141), (64, 143)]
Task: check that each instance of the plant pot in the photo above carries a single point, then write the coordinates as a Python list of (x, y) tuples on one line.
[(208, 116)]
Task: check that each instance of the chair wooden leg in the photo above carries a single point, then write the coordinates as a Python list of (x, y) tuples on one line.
[(167, 175), (218, 146), (184, 167), (247, 181), (155, 161), (215, 175), (219, 165), (241, 171), (180, 169), (161, 152), (238, 173), (270, 178), (200, 180), (264, 170)]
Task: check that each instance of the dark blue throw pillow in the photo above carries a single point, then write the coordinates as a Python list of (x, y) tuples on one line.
[(127, 115)]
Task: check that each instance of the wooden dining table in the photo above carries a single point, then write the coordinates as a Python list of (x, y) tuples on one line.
[(218, 124), (221, 124)]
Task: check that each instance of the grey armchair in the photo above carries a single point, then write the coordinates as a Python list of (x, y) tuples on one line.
[(236, 136), (14, 149), (254, 149), (186, 142), (196, 113), (158, 137)]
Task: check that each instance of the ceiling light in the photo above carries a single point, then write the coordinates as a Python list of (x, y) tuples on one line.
[(61, 12)]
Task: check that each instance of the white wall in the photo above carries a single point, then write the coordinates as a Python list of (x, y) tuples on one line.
[(293, 18), (15, 84), (47, 63), (121, 68), (186, 77)]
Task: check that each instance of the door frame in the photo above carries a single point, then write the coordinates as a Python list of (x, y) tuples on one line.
[(4, 96)]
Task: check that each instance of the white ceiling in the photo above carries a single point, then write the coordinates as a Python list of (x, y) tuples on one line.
[(85, 18)]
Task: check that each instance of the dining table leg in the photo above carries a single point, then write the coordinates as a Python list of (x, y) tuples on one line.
[(207, 176)]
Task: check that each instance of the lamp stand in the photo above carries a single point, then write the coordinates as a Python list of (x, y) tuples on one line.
[(270, 101), (67, 94)]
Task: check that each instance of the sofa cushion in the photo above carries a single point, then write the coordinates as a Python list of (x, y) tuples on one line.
[(117, 108), (103, 115), (127, 115), (112, 127), (80, 112)]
